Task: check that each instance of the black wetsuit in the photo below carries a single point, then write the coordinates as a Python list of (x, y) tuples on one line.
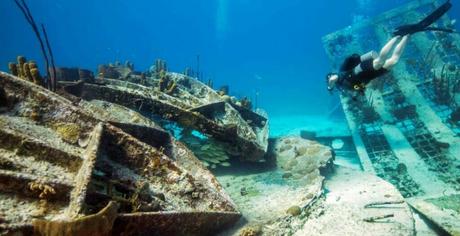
[(352, 81)]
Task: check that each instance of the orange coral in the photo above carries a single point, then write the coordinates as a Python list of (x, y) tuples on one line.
[(36, 77), (26, 71)]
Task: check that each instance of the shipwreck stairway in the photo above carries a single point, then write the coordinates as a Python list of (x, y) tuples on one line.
[(405, 128)]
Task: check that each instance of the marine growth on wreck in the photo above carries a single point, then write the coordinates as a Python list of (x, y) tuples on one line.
[(127, 150)]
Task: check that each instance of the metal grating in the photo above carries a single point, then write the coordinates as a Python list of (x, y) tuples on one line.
[(386, 164), (426, 146)]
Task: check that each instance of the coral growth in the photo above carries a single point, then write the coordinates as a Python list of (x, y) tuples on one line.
[(455, 116), (21, 60), (69, 132), (444, 86), (210, 83), (369, 115), (246, 103), (36, 77), (224, 90), (171, 87), (301, 160), (26, 70), (13, 69), (163, 80), (294, 211), (129, 65), (160, 65), (188, 71), (405, 112), (44, 190), (165, 83), (34, 115), (250, 231)]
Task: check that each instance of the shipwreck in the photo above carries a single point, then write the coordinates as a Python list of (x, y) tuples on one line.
[(406, 128), (83, 162)]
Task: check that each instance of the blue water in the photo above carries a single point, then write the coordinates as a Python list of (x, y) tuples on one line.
[(268, 47)]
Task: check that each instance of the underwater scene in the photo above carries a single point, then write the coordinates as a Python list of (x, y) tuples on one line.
[(229, 117)]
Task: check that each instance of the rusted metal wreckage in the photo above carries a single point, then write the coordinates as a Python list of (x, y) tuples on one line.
[(191, 104), (406, 129), (97, 168)]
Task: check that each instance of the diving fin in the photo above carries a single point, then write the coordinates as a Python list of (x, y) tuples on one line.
[(425, 23), (447, 30)]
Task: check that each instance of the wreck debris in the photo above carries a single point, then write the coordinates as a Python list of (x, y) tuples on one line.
[(377, 219), (383, 204), (116, 71), (66, 173), (443, 211), (74, 74), (100, 223), (192, 105)]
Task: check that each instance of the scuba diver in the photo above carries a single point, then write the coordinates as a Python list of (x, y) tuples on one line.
[(358, 70)]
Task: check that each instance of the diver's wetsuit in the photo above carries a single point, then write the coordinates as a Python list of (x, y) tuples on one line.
[(352, 81), (355, 72)]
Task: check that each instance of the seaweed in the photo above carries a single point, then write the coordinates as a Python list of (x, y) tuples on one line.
[(444, 88), (160, 65), (198, 67), (53, 80), (46, 52)]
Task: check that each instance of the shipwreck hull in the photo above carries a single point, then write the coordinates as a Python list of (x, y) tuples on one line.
[(193, 106), (65, 166)]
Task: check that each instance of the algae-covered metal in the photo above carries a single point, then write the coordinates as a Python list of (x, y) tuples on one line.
[(187, 102), (74, 164)]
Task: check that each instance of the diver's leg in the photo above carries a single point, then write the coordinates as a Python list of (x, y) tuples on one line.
[(397, 53), (383, 55)]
